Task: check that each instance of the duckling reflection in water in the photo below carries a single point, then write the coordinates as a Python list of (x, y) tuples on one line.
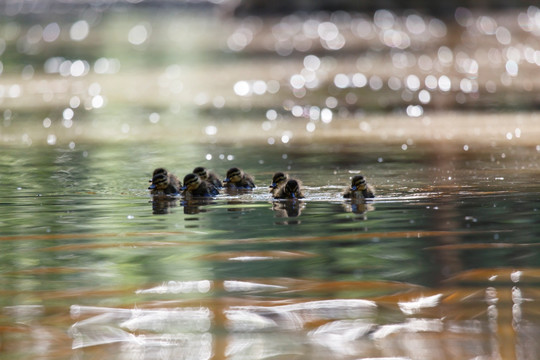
[(287, 210), (359, 189), (164, 183), (208, 176), (194, 206), (359, 207), (237, 179), (195, 187), (163, 205), (278, 180), (291, 190)]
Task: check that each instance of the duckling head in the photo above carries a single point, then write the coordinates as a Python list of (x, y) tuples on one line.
[(160, 181), (278, 179), (201, 172), (234, 175), (191, 182), (292, 188), (159, 171), (358, 183)]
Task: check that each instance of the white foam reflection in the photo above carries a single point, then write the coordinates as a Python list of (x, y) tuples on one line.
[(410, 326), (179, 287), (184, 329), (415, 306), (294, 316), (234, 286)]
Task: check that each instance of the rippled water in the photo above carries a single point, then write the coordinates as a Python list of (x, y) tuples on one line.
[(442, 264)]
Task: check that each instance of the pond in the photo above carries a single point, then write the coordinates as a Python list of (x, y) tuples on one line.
[(441, 261), (442, 264)]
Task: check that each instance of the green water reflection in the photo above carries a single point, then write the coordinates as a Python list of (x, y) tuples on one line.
[(83, 242)]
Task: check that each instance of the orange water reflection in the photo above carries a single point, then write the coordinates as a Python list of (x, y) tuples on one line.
[(247, 322)]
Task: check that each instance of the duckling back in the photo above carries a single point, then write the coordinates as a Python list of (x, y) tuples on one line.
[(208, 176)]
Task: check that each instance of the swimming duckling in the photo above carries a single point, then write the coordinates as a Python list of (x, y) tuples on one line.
[(359, 189), (291, 190), (195, 187), (237, 179), (278, 180), (164, 183), (209, 176)]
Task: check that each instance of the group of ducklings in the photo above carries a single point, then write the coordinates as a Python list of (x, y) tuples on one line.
[(204, 183)]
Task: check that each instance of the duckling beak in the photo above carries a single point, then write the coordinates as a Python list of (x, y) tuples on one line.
[(273, 186), (152, 187), (183, 188), (293, 195), (354, 188), (226, 180)]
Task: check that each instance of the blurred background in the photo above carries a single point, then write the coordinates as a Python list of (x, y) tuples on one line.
[(128, 69), (435, 102)]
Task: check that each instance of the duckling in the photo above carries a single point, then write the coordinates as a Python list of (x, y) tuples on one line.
[(237, 179), (209, 176), (195, 187), (359, 189), (278, 180), (164, 183), (291, 190)]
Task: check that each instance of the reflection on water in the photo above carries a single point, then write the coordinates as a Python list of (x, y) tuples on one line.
[(288, 208), (433, 267), (442, 264)]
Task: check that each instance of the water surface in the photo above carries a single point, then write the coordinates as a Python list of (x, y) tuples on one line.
[(92, 263), (439, 116)]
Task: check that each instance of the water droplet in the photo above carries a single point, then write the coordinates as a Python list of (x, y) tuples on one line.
[(79, 30), (271, 114), (51, 139), (242, 88), (154, 118), (210, 130), (51, 32), (68, 114), (139, 34), (47, 123), (326, 115), (98, 101)]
